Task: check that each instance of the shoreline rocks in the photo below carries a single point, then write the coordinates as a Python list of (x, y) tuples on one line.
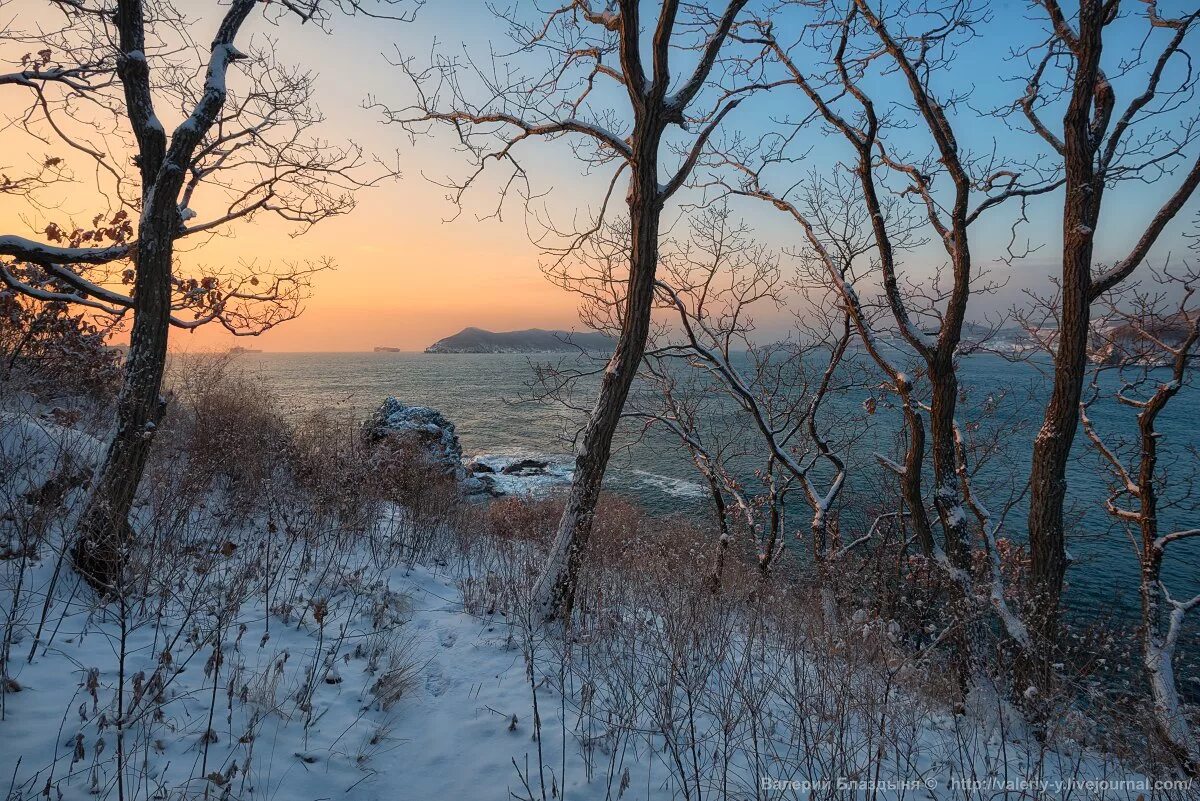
[(477, 466), (526, 467), (399, 433), (408, 430)]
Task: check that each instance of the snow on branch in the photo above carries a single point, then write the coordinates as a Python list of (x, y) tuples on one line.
[(23, 249)]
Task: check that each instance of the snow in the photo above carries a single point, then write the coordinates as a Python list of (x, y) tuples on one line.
[(456, 733), (352, 746), (37, 445), (222, 56), (333, 669), (31, 250)]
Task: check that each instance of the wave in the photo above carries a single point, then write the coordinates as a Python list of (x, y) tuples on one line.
[(549, 471), (558, 471), (675, 487)]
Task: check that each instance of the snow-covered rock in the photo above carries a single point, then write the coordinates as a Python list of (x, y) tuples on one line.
[(399, 429), (477, 466), (479, 488)]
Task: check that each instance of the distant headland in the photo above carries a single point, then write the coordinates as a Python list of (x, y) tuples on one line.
[(533, 340)]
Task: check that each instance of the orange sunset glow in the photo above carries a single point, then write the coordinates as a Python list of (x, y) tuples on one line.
[(410, 268)]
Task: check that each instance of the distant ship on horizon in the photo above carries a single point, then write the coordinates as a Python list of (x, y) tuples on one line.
[(386, 349), (239, 349)]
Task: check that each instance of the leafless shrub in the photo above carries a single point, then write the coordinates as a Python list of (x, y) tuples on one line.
[(228, 427), (330, 466), (395, 683), (232, 559), (714, 690)]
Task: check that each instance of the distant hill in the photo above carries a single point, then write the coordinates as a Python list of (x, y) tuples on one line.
[(533, 340)]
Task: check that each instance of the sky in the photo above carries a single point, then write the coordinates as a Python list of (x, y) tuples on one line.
[(412, 268)]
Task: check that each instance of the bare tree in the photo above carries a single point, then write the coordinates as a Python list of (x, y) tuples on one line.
[(780, 389), (747, 411), (713, 288), (1099, 145), (675, 103), (913, 44), (98, 87), (1150, 345)]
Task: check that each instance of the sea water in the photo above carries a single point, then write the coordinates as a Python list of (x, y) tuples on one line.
[(488, 397)]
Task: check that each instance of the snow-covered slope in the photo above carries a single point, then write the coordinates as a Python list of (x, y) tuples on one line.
[(279, 657), (294, 709), (277, 731)]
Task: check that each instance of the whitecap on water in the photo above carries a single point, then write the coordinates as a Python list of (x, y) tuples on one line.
[(538, 481), (676, 487), (558, 471)]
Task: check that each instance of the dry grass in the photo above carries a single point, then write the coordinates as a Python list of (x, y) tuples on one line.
[(242, 509)]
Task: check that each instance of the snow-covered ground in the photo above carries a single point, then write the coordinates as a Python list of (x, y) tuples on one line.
[(276, 657), (296, 713)]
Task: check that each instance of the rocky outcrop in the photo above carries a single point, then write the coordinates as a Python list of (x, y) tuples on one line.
[(481, 481), (508, 474), (400, 432), (480, 488), (407, 431), (526, 467)]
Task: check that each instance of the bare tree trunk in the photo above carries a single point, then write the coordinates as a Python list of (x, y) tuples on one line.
[(554, 594), (969, 664), (827, 575), (104, 522), (1052, 446), (1162, 615), (1158, 655), (724, 536), (263, 162), (1052, 450), (103, 526), (1095, 134), (556, 102), (910, 479), (1158, 647), (947, 493)]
